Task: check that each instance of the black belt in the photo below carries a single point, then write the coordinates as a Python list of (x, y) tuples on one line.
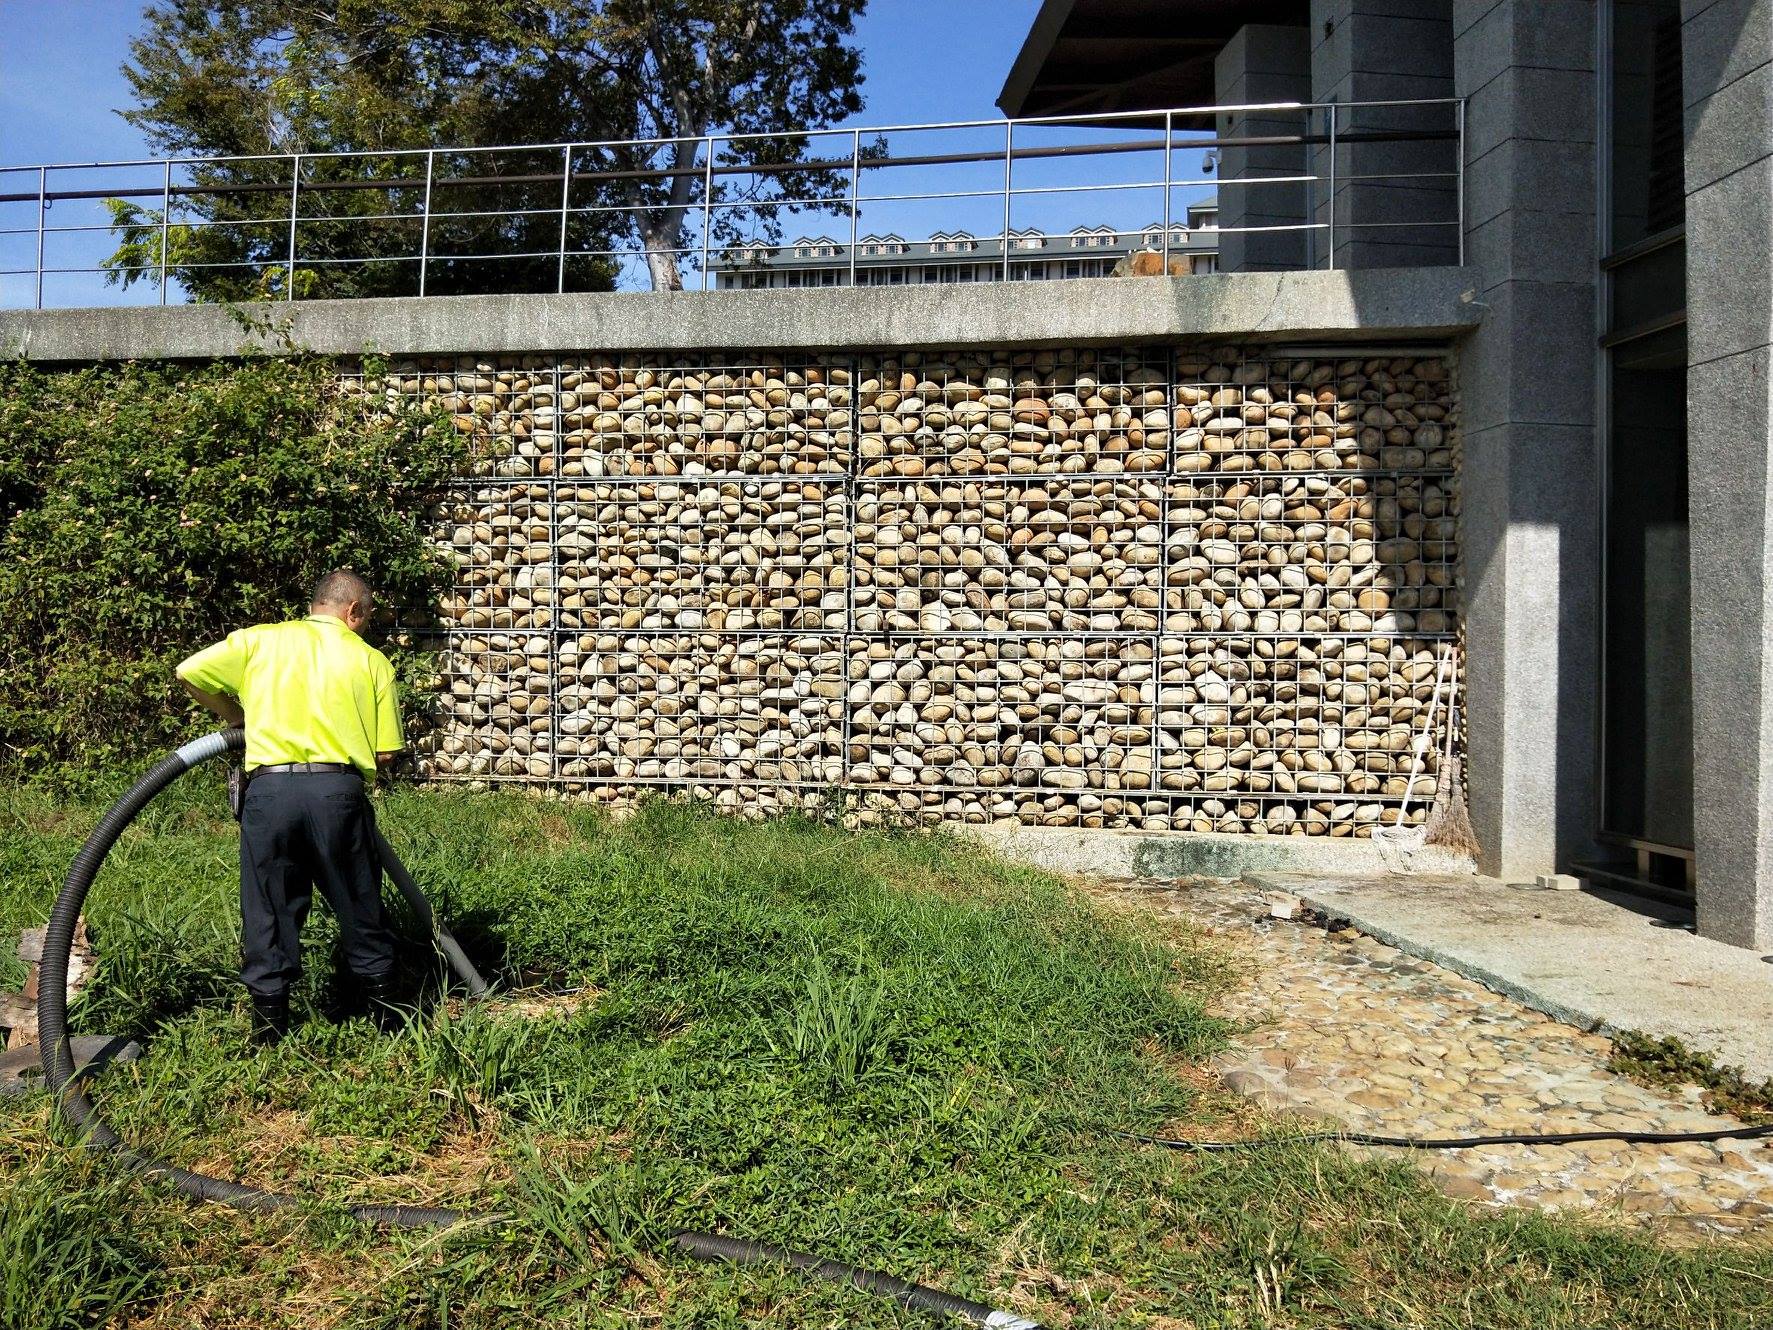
[(302, 766)]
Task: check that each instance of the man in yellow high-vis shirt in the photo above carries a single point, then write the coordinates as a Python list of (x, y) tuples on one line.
[(320, 712)]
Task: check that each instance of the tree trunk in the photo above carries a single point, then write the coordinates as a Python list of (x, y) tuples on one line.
[(662, 267), (663, 230)]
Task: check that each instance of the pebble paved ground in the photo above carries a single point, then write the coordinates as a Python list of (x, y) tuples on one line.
[(1341, 1027)]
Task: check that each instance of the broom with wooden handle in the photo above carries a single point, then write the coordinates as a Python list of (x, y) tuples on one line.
[(1448, 824)]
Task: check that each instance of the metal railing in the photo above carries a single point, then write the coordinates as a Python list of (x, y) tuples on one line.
[(1299, 185)]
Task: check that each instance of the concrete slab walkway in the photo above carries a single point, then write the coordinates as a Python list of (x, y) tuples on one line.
[(1346, 1030), (1587, 958)]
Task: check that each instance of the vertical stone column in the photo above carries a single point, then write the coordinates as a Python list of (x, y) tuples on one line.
[(1387, 50), (1262, 63), (1727, 88), (1527, 378)]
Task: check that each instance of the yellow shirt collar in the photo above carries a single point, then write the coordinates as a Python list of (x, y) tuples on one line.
[(329, 618)]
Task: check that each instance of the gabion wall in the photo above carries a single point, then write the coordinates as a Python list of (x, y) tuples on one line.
[(1195, 587)]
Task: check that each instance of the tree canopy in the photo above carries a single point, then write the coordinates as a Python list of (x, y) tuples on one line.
[(258, 80)]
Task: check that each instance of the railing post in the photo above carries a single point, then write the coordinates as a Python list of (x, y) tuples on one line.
[(1332, 175), (165, 222), (1459, 183), (1009, 139), (566, 189), (707, 207), (42, 204), (425, 222), (1169, 151), (855, 189), (295, 203)]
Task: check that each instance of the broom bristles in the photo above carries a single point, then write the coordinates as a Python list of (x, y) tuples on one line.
[(1449, 825)]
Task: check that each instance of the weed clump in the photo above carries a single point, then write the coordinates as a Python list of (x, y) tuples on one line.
[(69, 1254), (1669, 1062)]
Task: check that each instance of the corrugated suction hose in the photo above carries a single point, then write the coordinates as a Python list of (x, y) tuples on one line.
[(65, 1084)]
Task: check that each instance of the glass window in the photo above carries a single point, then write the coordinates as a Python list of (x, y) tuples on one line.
[(1646, 768), (1647, 707), (1645, 121)]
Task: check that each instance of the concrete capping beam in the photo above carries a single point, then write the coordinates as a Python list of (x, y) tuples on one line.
[(1412, 303)]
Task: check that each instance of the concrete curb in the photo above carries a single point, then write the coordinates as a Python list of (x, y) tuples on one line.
[(1181, 854)]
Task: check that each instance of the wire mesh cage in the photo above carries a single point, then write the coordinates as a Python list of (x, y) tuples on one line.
[(495, 710), (998, 413), (1013, 725), (1321, 553), (730, 576), (1238, 412), (707, 709), (1295, 716), (1033, 555), (648, 416), (739, 554)]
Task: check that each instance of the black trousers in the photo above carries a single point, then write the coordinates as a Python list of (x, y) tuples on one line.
[(299, 830)]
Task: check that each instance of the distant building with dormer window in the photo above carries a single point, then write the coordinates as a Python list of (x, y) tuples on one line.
[(960, 256)]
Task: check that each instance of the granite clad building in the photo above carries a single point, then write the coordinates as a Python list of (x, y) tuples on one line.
[(1617, 189)]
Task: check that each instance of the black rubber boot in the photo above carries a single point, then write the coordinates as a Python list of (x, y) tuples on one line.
[(270, 1020), (385, 1006)]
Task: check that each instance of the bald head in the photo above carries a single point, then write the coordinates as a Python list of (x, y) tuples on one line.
[(344, 594)]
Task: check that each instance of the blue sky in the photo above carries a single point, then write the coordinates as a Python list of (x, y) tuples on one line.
[(59, 81), (925, 61)]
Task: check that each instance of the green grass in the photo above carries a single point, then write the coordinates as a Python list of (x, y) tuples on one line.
[(884, 1047)]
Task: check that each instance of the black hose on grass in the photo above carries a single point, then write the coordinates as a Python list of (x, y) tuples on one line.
[(64, 1082), (740, 1251)]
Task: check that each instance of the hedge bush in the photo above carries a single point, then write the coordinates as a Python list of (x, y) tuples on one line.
[(149, 509)]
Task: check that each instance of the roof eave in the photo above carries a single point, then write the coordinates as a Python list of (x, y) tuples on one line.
[(1043, 33)]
